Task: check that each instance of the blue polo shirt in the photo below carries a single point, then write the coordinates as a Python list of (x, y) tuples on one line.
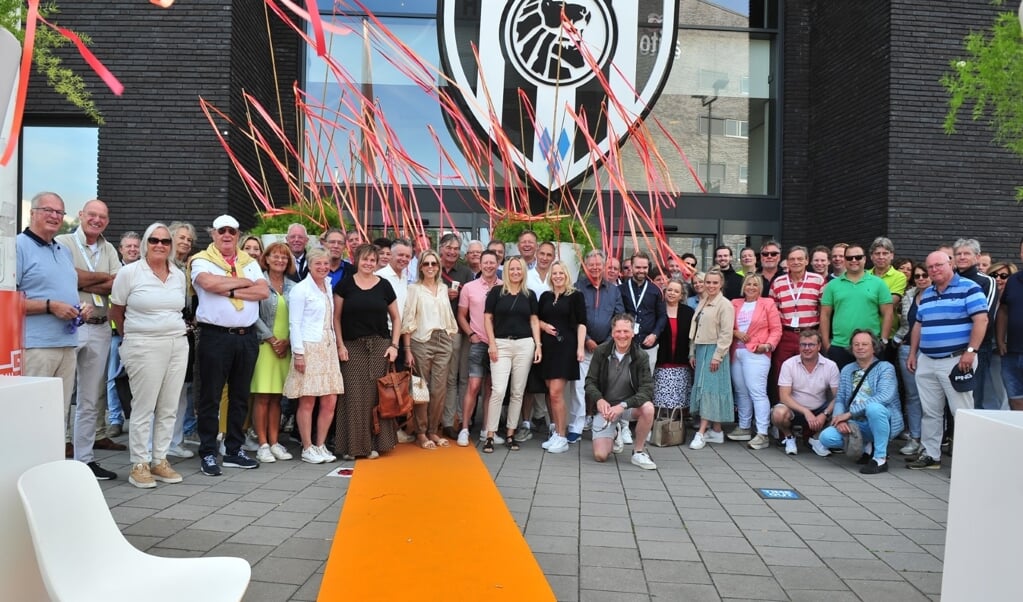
[(946, 318), (46, 271), (602, 304)]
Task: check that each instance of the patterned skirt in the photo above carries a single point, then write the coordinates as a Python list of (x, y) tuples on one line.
[(354, 433), (712, 391), (672, 387)]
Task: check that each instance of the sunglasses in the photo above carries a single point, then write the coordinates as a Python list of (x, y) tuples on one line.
[(429, 264), (159, 241), (770, 253), (918, 276), (1002, 276), (227, 229), (854, 257)]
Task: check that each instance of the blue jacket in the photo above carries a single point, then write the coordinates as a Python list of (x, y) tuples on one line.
[(881, 387), (651, 315), (602, 304)]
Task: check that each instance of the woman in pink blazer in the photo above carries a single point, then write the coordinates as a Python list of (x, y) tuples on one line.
[(756, 333)]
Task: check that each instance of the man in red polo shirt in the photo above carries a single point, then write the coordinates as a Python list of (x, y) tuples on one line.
[(798, 295)]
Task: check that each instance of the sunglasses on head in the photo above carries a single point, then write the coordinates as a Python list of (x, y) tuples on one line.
[(227, 229), (854, 257), (159, 241)]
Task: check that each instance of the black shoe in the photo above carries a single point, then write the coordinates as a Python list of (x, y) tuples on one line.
[(863, 459), (101, 474), (240, 460), (871, 467), (208, 466), (924, 462), (449, 432)]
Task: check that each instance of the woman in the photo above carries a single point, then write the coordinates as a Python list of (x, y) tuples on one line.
[(919, 280), (757, 331), (274, 360), (365, 346), (710, 338), (146, 300), (905, 265), (428, 327), (314, 369), (513, 329), (254, 247), (183, 234), (747, 261), (697, 283), (820, 260), (994, 389), (673, 377), (562, 316), (184, 238)]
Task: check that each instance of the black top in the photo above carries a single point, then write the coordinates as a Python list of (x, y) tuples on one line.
[(681, 354), (565, 313), (364, 312), (511, 312)]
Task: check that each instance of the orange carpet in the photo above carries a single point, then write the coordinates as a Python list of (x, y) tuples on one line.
[(429, 525)]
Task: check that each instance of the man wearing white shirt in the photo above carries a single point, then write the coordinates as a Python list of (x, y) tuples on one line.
[(538, 278), (527, 247), (394, 272)]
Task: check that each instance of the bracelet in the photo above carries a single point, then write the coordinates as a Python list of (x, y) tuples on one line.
[(393, 345), (48, 307)]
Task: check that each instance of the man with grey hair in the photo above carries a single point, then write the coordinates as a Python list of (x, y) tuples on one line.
[(882, 252), (130, 247), (297, 238), (453, 275), (966, 255), (472, 257)]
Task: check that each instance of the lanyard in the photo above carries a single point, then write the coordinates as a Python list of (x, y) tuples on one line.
[(632, 293), (798, 291), (86, 253)]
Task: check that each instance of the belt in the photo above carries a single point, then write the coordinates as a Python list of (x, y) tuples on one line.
[(945, 357), (798, 328), (239, 330), (515, 337), (100, 320)]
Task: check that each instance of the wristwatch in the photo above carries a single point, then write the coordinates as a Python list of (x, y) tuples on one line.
[(971, 350)]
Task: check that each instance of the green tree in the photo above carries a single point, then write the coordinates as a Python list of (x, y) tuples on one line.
[(990, 78), (62, 79)]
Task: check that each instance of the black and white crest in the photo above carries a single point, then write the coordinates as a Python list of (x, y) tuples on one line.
[(540, 61)]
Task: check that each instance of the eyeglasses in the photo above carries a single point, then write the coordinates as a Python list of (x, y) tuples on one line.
[(854, 257), (918, 276), (429, 264), (1002, 276), (159, 241), (807, 345), (770, 253), (51, 211), (227, 229)]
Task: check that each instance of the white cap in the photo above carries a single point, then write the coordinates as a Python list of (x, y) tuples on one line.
[(225, 220)]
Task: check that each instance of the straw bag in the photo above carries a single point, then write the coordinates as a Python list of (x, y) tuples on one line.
[(393, 393), (668, 429)]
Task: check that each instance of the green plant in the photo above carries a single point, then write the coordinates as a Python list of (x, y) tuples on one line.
[(556, 228), (62, 79), (991, 78), (315, 217)]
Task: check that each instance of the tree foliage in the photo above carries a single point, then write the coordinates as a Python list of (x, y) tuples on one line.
[(62, 79), (990, 78)]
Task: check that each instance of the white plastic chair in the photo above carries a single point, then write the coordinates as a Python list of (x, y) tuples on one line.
[(83, 556)]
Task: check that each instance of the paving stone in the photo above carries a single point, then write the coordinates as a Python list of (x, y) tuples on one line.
[(867, 527), (553, 543), (143, 542), (883, 591), (173, 553), (565, 587), (907, 561), (186, 511), (741, 564), (771, 523), (557, 564), (888, 543), (284, 570), (928, 583), (925, 536), (589, 595), (155, 501), (822, 533), (712, 528), (280, 518), (663, 550), (601, 538), (675, 571), (758, 510), (704, 514), (688, 591), (563, 501), (129, 515), (748, 586), (318, 530), (251, 552), (641, 519), (800, 595), (609, 579), (262, 535), (664, 534), (648, 495), (596, 556), (840, 549), (588, 508), (806, 518), (715, 543), (303, 548), (550, 527), (228, 523), (157, 527), (775, 556), (807, 578), (271, 496), (194, 539), (209, 498), (857, 568), (261, 591), (779, 539), (938, 551)]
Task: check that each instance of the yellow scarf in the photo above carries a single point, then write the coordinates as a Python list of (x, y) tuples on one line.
[(213, 255)]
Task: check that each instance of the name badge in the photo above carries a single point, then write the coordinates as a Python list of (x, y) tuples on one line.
[(635, 328), (794, 323)]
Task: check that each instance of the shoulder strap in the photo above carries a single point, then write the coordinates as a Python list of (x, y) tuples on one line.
[(862, 380)]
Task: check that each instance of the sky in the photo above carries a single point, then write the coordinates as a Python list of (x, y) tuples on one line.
[(739, 6), (61, 160)]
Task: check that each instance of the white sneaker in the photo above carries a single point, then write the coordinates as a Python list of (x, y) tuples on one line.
[(498, 439), (698, 441), (642, 459), (911, 449), (712, 436), (619, 444), (760, 441), (263, 454), (312, 455), (463, 438), (623, 428), (558, 445), (251, 442), (790, 446), (818, 448), (546, 444), (326, 455), (404, 437), (588, 424), (280, 452), (180, 452)]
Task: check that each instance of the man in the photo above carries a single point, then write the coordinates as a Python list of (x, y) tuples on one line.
[(383, 246), (951, 322), (603, 302), (46, 276), (96, 264), (613, 270), (626, 271), (732, 288), (394, 272), (538, 281), (527, 247), (297, 238), (798, 295), (690, 260), (1009, 335), (620, 386), (770, 263), (471, 305), (334, 241), (856, 299), (983, 262), (130, 249), (645, 303), (838, 260), (353, 240), (497, 246), (882, 252), (674, 267), (867, 406), (472, 256), (807, 385), (453, 275), (230, 286), (538, 278), (967, 258)]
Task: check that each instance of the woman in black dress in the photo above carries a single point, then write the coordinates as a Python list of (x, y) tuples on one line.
[(563, 333), (365, 346)]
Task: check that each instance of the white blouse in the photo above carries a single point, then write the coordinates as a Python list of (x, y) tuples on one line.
[(426, 312)]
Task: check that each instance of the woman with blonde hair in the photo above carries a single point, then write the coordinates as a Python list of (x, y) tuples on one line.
[(513, 329), (710, 339), (427, 327), (562, 317), (757, 332)]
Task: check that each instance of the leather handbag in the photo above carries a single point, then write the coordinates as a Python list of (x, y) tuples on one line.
[(668, 429), (420, 391), (394, 394)]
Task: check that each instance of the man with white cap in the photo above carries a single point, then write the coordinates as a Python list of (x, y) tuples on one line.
[(230, 286)]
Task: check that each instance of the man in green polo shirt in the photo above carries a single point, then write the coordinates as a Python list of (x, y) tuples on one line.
[(856, 299)]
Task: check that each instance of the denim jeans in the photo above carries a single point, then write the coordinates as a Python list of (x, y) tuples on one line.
[(912, 400), (981, 376), (875, 429), (114, 413), (749, 378)]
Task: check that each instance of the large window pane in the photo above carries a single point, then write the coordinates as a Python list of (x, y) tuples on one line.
[(62, 160)]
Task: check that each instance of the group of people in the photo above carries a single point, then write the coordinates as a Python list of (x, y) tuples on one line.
[(812, 342)]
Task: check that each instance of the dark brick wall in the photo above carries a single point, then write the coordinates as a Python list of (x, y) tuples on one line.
[(796, 179), (944, 187)]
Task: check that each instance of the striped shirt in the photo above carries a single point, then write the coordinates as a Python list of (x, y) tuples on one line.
[(799, 303), (946, 317)]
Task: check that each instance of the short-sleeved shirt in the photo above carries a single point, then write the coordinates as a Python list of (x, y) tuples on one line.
[(1012, 302), (364, 312), (46, 271), (946, 318), (809, 389), (511, 312), (799, 303), (151, 306), (473, 298), (894, 280), (855, 305), (218, 309)]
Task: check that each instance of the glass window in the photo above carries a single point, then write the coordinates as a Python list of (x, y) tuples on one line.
[(61, 159)]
